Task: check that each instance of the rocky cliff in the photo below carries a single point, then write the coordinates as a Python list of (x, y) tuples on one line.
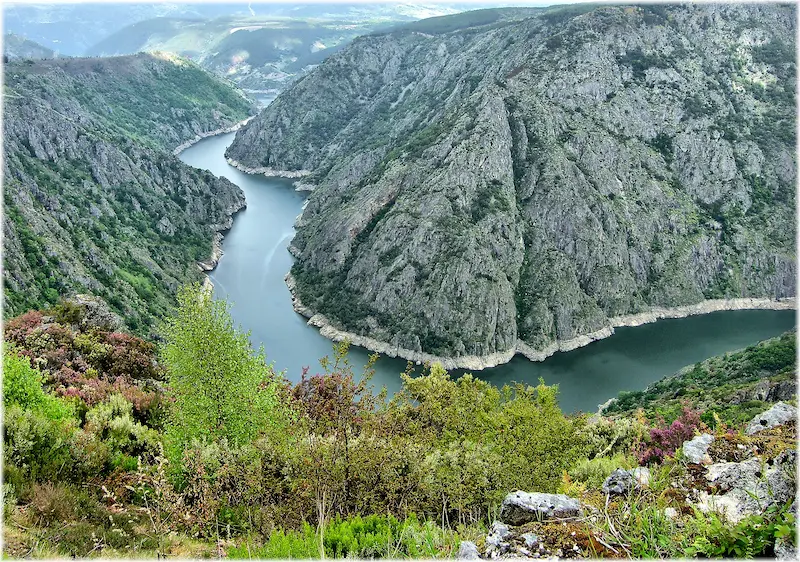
[(502, 183), (95, 201)]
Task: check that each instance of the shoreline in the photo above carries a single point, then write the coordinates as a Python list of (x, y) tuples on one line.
[(230, 129), (273, 173), (209, 264), (478, 363)]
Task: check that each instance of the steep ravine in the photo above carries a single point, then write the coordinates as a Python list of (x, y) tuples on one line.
[(528, 185)]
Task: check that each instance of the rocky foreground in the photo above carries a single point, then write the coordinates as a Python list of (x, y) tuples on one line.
[(734, 476)]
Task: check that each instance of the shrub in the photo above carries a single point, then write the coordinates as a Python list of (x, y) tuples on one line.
[(51, 503), (667, 439), (593, 472), (22, 386), (753, 536), (37, 445), (220, 388), (282, 545)]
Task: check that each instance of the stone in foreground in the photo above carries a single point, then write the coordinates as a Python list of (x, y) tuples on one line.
[(696, 450), (619, 482), (522, 507), (779, 414), (467, 550)]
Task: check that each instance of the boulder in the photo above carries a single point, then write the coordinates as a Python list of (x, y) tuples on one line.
[(531, 540), (619, 482), (779, 414), (467, 550), (641, 475), (749, 487), (496, 543), (522, 507), (696, 450), (95, 313)]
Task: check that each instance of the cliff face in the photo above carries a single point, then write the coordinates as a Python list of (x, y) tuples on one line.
[(527, 180), (94, 199)]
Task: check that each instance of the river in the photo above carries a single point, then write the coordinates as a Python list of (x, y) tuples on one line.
[(250, 275)]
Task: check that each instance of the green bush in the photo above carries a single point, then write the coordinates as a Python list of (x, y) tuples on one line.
[(753, 536), (220, 387), (282, 545), (37, 445), (22, 386), (593, 472)]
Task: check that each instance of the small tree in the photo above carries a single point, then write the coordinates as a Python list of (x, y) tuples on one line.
[(220, 388)]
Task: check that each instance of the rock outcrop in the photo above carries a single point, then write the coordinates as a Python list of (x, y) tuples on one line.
[(779, 414), (696, 449), (523, 507), (514, 186)]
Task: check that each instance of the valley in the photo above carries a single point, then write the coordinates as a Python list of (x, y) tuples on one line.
[(399, 281), (251, 276)]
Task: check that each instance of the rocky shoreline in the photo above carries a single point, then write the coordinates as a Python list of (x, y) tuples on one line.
[(273, 173), (235, 127), (478, 363)]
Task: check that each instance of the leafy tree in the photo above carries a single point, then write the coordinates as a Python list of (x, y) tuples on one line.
[(221, 389)]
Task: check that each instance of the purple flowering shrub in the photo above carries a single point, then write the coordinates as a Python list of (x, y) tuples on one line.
[(89, 366), (666, 438)]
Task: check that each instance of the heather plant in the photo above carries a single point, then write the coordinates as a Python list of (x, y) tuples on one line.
[(90, 366), (665, 440)]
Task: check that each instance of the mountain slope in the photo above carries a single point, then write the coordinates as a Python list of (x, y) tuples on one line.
[(18, 47), (491, 187), (94, 200)]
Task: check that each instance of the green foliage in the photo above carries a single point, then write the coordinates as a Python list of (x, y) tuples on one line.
[(22, 386), (373, 536), (282, 545), (112, 423), (37, 445), (593, 472), (753, 536), (220, 387)]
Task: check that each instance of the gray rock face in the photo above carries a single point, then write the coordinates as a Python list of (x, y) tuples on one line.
[(779, 414), (696, 450), (525, 183), (96, 313), (767, 391), (523, 507), (496, 544), (467, 550), (750, 486), (622, 481)]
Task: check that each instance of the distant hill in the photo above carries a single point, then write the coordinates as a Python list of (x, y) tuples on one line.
[(17, 47)]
